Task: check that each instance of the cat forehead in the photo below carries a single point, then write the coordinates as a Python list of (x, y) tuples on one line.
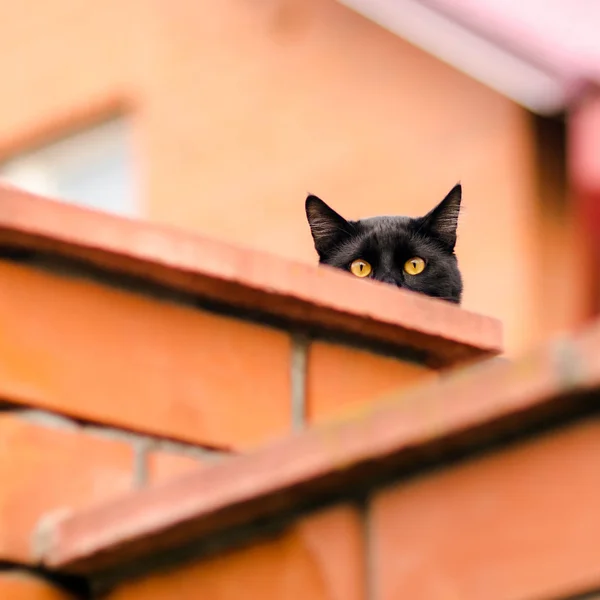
[(385, 222), (384, 229), (381, 235)]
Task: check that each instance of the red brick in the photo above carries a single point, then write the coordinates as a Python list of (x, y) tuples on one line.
[(19, 585), (520, 524), (320, 557), (118, 358), (167, 465), (47, 469), (342, 379)]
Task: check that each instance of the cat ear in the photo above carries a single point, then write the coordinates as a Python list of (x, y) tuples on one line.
[(442, 221), (327, 227)]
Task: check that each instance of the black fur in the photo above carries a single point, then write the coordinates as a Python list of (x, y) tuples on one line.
[(386, 243)]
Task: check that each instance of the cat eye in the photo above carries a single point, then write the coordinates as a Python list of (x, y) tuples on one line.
[(360, 268), (414, 265)]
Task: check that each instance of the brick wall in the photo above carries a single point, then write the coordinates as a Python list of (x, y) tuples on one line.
[(521, 522), (132, 354), (482, 484), (181, 417)]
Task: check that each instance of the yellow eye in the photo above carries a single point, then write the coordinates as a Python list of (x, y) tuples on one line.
[(414, 266), (360, 268)]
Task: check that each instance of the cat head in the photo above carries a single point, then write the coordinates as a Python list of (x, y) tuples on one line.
[(414, 253)]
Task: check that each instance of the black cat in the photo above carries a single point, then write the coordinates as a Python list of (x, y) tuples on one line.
[(412, 253)]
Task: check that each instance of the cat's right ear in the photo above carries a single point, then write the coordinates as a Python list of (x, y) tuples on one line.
[(442, 221), (327, 227)]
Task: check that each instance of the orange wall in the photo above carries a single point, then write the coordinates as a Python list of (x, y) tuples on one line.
[(243, 107)]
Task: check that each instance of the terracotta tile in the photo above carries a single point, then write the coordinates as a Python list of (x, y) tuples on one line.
[(246, 278), (168, 465), (48, 469), (118, 358), (520, 524), (320, 557), (20, 585), (341, 379)]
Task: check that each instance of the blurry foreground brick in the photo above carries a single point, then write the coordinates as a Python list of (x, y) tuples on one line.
[(481, 484), (182, 418), (136, 361)]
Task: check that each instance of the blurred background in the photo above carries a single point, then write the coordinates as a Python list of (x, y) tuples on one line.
[(220, 116)]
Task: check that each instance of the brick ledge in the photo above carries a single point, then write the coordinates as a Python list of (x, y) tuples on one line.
[(248, 280), (463, 412)]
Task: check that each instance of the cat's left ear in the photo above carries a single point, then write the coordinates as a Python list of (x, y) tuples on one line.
[(442, 221), (327, 227)]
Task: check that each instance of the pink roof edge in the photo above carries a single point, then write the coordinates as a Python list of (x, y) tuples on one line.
[(562, 36)]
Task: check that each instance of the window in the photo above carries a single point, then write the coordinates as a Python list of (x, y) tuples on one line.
[(91, 168)]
